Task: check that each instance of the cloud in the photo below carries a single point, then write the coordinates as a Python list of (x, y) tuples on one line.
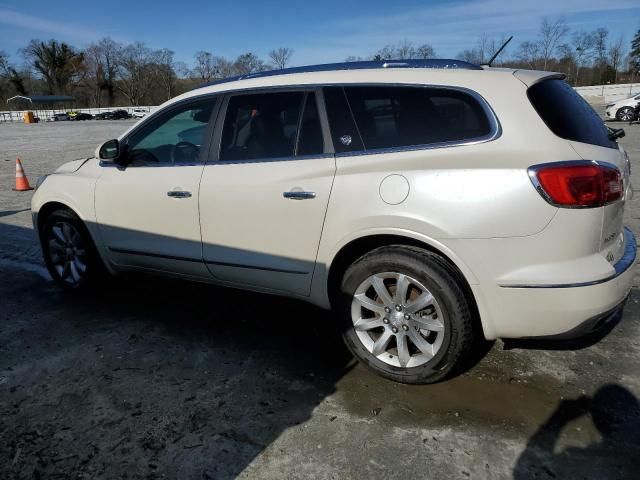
[(47, 27)]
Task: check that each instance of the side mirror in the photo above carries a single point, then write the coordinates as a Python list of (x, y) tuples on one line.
[(109, 150)]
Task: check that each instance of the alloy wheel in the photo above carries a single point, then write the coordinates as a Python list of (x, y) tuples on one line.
[(67, 252), (397, 319), (626, 114)]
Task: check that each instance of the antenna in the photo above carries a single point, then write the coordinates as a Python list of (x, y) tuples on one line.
[(495, 55)]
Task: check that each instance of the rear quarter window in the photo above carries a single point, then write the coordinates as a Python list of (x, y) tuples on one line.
[(567, 114), (389, 117)]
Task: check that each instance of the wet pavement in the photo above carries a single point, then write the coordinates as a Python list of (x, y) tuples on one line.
[(154, 378)]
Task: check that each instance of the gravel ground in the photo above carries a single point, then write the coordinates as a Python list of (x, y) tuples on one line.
[(151, 378)]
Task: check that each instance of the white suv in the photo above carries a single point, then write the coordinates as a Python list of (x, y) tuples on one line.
[(430, 204)]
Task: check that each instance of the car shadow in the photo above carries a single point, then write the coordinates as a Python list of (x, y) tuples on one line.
[(147, 377)]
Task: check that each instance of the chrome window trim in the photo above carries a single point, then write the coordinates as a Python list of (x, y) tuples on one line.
[(621, 266), (270, 159), (532, 171)]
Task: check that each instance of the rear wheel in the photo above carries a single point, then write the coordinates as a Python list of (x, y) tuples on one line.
[(405, 315), (625, 114), (68, 250)]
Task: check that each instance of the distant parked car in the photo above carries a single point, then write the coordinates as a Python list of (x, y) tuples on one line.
[(117, 115), (138, 113), (623, 109), (83, 116), (58, 117)]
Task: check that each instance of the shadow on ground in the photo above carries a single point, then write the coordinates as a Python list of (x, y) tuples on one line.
[(153, 378)]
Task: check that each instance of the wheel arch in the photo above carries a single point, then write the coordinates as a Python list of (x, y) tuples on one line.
[(357, 247), (51, 206)]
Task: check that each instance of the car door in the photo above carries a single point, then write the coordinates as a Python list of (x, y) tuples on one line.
[(148, 211), (265, 190)]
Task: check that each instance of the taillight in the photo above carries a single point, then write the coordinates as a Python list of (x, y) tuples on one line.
[(579, 184)]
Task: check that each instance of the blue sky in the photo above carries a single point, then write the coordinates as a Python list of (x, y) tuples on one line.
[(318, 31)]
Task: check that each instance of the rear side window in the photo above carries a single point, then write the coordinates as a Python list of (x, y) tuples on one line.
[(567, 114), (388, 117)]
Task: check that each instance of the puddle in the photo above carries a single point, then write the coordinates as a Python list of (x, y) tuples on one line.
[(483, 398)]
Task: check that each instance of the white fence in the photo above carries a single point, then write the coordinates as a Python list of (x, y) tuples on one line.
[(609, 93), (44, 115)]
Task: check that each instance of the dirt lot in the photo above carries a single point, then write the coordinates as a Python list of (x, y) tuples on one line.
[(150, 378)]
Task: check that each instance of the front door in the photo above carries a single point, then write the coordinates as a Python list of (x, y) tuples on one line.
[(148, 212), (264, 194)]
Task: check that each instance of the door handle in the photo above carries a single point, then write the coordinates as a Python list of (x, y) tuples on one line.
[(297, 195), (178, 194)]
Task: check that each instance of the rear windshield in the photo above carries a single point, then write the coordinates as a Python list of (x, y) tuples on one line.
[(567, 114)]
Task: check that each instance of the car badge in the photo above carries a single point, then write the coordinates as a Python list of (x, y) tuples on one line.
[(346, 139)]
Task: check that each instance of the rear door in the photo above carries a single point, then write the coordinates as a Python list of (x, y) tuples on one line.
[(570, 117), (265, 189)]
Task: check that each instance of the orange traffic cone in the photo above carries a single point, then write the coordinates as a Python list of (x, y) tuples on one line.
[(22, 184)]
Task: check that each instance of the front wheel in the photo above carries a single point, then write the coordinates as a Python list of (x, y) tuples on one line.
[(625, 114), (68, 251), (405, 315)]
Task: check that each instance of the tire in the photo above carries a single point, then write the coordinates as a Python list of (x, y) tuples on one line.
[(624, 114), (69, 252), (368, 320)]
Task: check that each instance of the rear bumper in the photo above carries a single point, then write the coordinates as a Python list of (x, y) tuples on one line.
[(564, 310)]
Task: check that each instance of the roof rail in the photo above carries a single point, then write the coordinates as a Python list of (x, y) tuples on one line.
[(368, 64)]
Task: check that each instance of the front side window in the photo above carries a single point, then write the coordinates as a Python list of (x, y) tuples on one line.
[(172, 139), (389, 117), (271, 125)]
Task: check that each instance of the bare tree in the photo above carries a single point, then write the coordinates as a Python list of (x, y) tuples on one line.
[(600, 45), (101, 60), (471, 56), (165, 71), (551, 34), (248, 63), (583, 44), (387, 52), (404, 50), (529, 53), (281, 57), (135, 72), (205, 66), (616, 54), (425, 51)]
